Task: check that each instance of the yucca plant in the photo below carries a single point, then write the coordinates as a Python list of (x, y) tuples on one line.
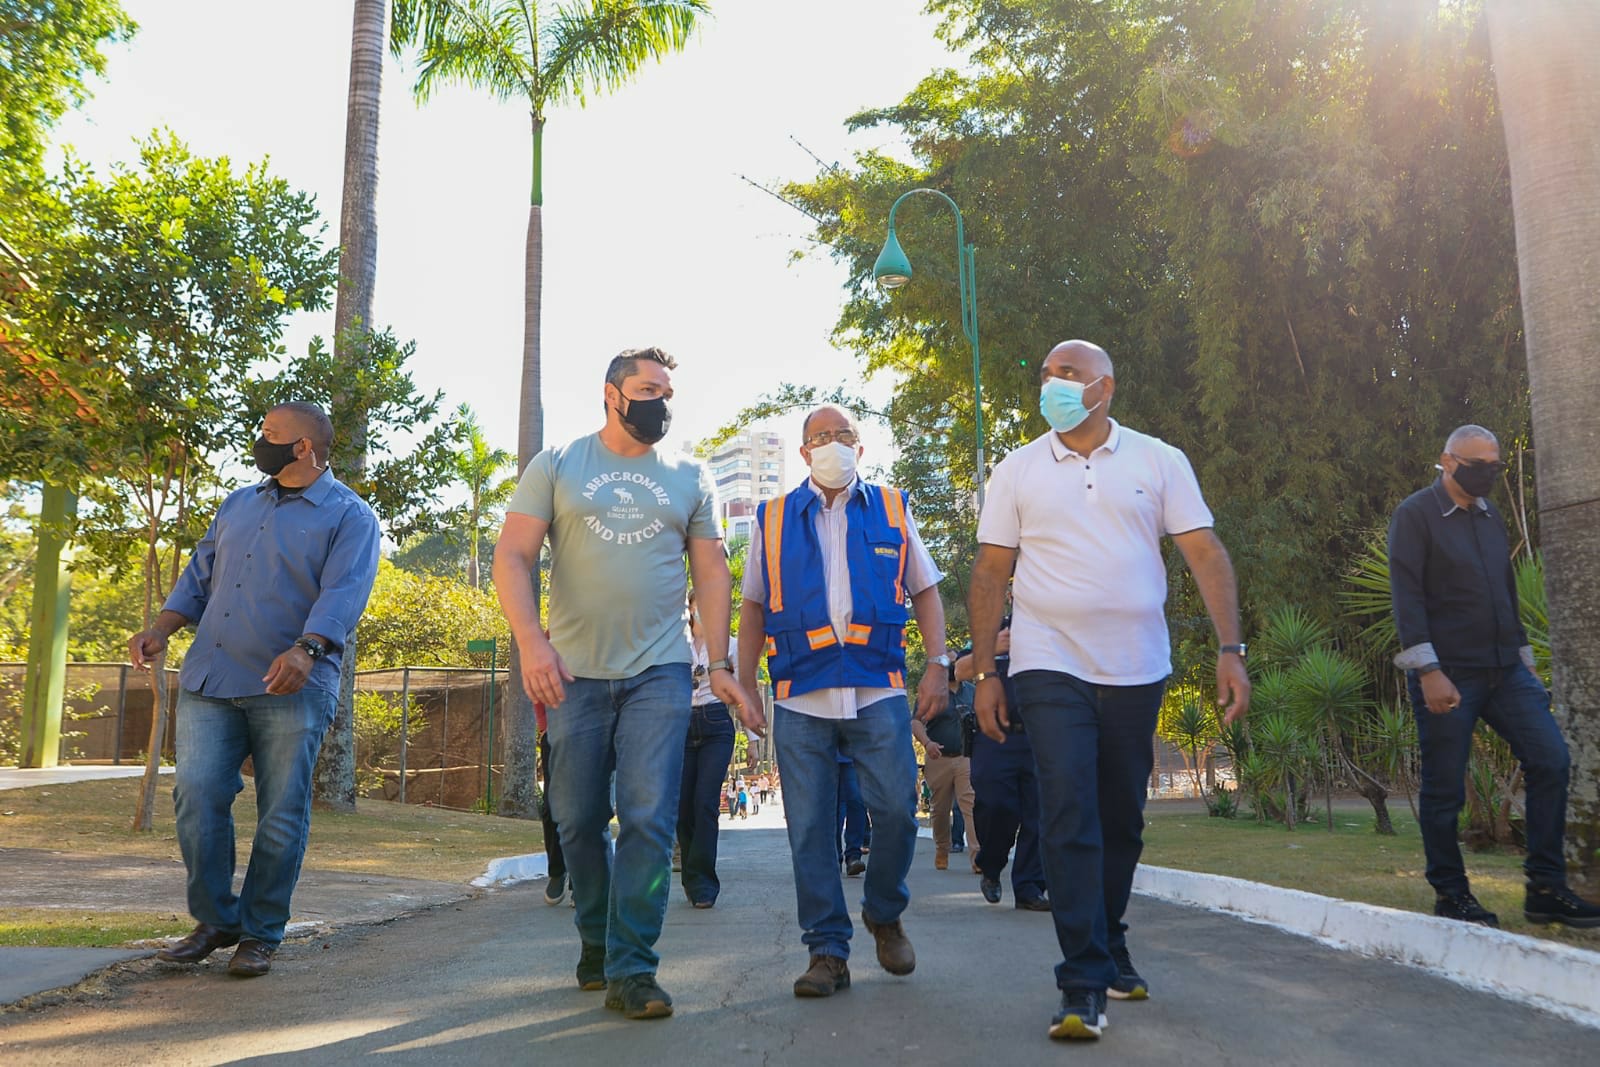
[(1388, 737), (1193, 728), (1290, 632), (1328, 697), (1285, 755)]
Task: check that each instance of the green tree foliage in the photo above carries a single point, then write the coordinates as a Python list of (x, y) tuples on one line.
[(476, 466), (419, 620), (48, 49), (161, 288), (367, 386), (1288, 223)]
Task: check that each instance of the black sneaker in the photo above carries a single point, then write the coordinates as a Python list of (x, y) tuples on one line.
[(1464, 907), (855, 868), (1128, 986), (1082, 1015), (990, 888), (638, 997), (1558, 904), (1038, 903), (555, 890), (592, 968)]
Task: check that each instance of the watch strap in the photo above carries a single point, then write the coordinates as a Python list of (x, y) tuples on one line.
[(719, 665), (1239, 649)]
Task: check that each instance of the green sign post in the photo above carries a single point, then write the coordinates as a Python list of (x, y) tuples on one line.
[(492, 647)]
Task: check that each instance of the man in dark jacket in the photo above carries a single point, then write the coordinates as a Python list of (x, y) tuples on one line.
[(1467, 657)]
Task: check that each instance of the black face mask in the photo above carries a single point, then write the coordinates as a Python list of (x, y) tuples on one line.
[(1476, 479), (271, 458), (646, 420)]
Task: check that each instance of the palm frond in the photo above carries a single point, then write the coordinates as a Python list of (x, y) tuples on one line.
[(485, 44), (1366, 595), (1290, 632), (598, 45)]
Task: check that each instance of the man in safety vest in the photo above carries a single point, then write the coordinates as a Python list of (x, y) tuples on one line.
[(825, 591)]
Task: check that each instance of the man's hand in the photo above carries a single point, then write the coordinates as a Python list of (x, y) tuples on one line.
[(933, 749), (1002, 642), (749, 710), (933, 692), (144, 646), (288, 672), (1440, 693), (1233, 687), (990, 705), (543, 672)]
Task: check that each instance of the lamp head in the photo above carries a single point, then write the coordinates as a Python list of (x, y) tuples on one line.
[(893, 269)]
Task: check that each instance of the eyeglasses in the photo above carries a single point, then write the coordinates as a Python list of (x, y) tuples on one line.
[(1495, 466), (822, 437)]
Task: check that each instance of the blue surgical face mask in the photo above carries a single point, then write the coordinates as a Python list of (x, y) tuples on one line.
[(1061, 403)]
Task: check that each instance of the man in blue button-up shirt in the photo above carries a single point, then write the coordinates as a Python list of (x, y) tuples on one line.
[(274, 589)]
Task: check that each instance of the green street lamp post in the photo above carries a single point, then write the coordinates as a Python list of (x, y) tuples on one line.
[(893, 269)]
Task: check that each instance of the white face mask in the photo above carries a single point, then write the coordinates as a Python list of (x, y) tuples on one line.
[(833, 465)]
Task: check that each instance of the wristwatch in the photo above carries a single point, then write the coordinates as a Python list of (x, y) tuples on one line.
[(943, 660), (311, 647), (719, 665), (1240, 648), (981, 675)]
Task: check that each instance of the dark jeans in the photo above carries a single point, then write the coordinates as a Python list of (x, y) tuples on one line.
[(854, 834), (1516, 706), (1093, 746), (552, 837), (1005, 808), (706, 753), (958, 826)]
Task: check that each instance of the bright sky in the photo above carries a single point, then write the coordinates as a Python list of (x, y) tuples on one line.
[(651, 236)]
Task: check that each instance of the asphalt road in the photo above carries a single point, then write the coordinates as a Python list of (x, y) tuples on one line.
[(490, 980)]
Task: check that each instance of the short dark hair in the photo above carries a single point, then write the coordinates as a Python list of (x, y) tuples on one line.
[(625, 364), (316, 421)]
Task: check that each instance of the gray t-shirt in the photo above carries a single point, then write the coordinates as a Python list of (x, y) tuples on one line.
[(619, 528)]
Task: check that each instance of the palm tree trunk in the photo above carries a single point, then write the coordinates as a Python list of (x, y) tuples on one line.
[(520, 743), (1549, 88), (334, 781)]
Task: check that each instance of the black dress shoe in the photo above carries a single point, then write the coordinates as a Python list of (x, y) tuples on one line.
[(201, 942), (990, 888), (1034, 904), (250, 960)]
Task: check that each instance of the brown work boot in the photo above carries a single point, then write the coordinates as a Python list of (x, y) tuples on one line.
[(895, 953), (826, 976), (941, 860), (200, 943)]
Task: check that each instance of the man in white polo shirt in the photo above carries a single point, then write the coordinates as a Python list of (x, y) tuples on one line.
[(1080, 513)]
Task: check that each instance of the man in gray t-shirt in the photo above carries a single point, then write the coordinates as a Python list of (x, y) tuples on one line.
[(614, 672)]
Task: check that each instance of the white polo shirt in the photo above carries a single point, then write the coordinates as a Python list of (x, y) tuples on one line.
[(1091, 588)]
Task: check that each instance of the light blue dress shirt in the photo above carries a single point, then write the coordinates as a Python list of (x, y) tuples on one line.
[(274, 566)]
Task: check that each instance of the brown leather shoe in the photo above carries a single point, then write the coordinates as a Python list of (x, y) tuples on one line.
[(201, 942), (941, 861), (826, 976), (250, 960), (894, 949)]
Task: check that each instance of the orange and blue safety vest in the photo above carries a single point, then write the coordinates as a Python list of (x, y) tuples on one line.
[(803, 651)]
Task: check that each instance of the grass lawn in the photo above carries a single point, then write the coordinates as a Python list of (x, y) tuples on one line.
[(1352, 863), (402, 841)]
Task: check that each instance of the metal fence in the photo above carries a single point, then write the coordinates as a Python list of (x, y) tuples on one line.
[(106, 713)]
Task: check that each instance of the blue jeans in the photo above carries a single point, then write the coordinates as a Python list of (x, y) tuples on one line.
[(853, 836), (635, 728), (1516, 706), (282, 735), (706, 753), (1093, 747), (808, 749), (1005, 808)]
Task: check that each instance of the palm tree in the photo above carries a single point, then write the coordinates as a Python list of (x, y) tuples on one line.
[(334, 782), (1549, 90), (476, 464), (543, 54)]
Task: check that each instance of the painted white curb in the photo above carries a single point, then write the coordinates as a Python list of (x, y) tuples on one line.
[(1545, 974), (509, 870)]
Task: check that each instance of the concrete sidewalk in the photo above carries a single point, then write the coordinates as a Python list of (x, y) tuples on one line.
[(27, 777), (490, 980)]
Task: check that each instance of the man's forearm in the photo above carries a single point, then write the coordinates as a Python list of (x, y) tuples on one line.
[(1213, 574), (752, 639), (513, 585), (985, 606), (929, 610), (169, 622)]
